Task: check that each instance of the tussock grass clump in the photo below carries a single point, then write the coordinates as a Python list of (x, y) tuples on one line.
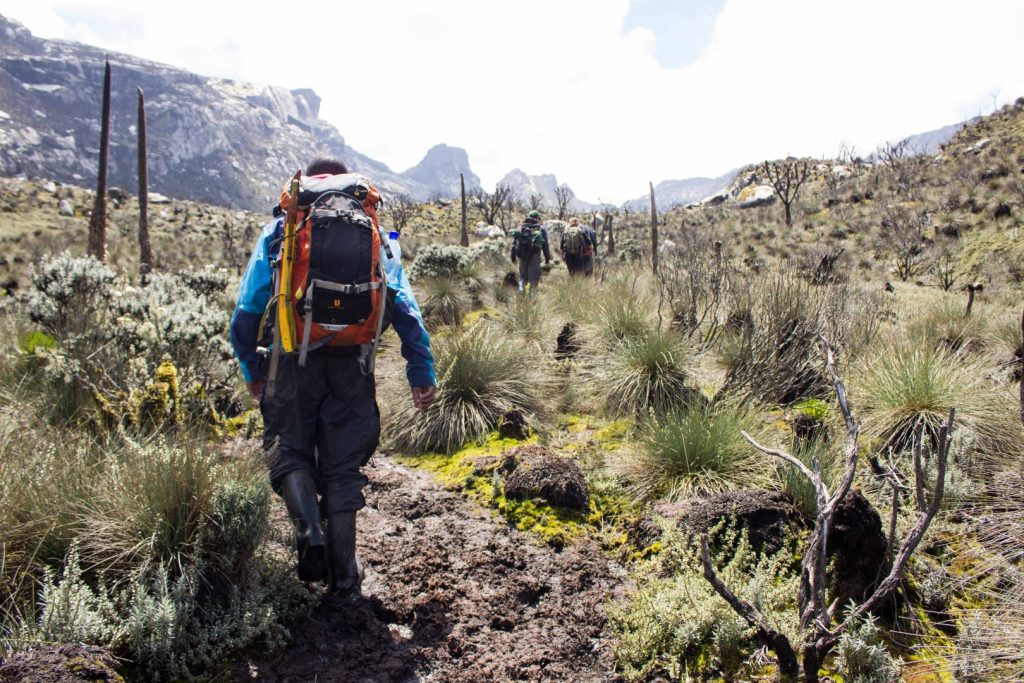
[(905, 384), (482, 375), (647, 371), (770, 344), (524, 316), (697, 453), (944, 324), (445, 302)]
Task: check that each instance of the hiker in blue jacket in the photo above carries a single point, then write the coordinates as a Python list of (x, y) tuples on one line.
[(322, 422)]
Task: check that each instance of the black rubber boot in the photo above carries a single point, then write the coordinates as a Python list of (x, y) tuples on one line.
[(346, 571), (299, 492)]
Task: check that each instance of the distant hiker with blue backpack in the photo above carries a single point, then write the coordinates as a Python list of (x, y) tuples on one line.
[(322, 284), (529, 241)]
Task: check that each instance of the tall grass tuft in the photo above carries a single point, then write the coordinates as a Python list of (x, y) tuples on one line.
[(906, 384), (697, 453), (482, 374), (524, 316), (649, 371), (445, 301)]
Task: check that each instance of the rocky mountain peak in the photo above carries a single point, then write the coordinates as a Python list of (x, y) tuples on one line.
[(441, 167)]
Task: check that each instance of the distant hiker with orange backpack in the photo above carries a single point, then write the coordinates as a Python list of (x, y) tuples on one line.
[(320, 287), (575, 244), (529, 241)]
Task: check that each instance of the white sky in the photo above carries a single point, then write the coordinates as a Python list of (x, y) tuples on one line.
[(559, 86)]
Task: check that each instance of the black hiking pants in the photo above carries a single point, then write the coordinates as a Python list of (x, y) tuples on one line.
[(575, 263), (323, 419)]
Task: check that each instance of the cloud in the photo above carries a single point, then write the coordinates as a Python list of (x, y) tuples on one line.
[(559, 86)]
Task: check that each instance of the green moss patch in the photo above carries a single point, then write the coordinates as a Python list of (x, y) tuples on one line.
[(477, 472)]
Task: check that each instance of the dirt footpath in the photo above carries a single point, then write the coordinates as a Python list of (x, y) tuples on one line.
[(453, 594)]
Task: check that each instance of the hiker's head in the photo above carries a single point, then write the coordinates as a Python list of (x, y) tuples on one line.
[(574, 221), (534, 214), (326, 166)]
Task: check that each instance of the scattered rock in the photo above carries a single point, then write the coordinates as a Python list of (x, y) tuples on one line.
[(117, 194), (567, 344), (754, 196), (65, 208), (539, 473), (489, 231), (858, 545), (979, 145), (715, 199), (511, 280), (50, 187), (767, 516), (61, 664), (157, 198), (513, 425), (841, 172)]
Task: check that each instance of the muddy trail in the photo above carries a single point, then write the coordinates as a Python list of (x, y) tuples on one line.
[(453, 594)]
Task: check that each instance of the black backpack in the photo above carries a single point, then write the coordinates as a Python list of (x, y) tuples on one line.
[(529, 240)]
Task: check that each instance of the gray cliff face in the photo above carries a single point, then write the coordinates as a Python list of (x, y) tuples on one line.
[(524, 186), (224, 142), (441, 168)]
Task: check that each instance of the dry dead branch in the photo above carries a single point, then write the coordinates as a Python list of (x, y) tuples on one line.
[(819, 630)]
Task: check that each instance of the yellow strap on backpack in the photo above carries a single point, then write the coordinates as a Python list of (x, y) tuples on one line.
[(285, 305)]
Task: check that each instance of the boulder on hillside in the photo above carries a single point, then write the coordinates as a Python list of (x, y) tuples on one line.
[(157, 198), (488, 231), (65, 208), (754, 196), (841, 172), (715, 199), (539, 473)]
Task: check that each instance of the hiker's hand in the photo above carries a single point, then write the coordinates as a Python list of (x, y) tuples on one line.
[(255, 388), (422, 397)]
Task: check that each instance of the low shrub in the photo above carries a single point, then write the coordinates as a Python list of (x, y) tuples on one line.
[(676, 627), (112, 349)]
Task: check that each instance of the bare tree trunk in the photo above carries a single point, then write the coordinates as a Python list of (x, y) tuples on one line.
[(98, 220), (971, 289), (465, 228), (654, 231), (611, 233), (145, 249), (1022, 368)]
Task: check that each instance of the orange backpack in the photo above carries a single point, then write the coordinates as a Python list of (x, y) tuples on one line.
[(338, 287)]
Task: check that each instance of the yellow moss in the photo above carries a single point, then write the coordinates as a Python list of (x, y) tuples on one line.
[(613, 434), (473, 316), (555, 526), (574, 424)]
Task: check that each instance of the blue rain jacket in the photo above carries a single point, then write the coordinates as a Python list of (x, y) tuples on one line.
[(255, 292)]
